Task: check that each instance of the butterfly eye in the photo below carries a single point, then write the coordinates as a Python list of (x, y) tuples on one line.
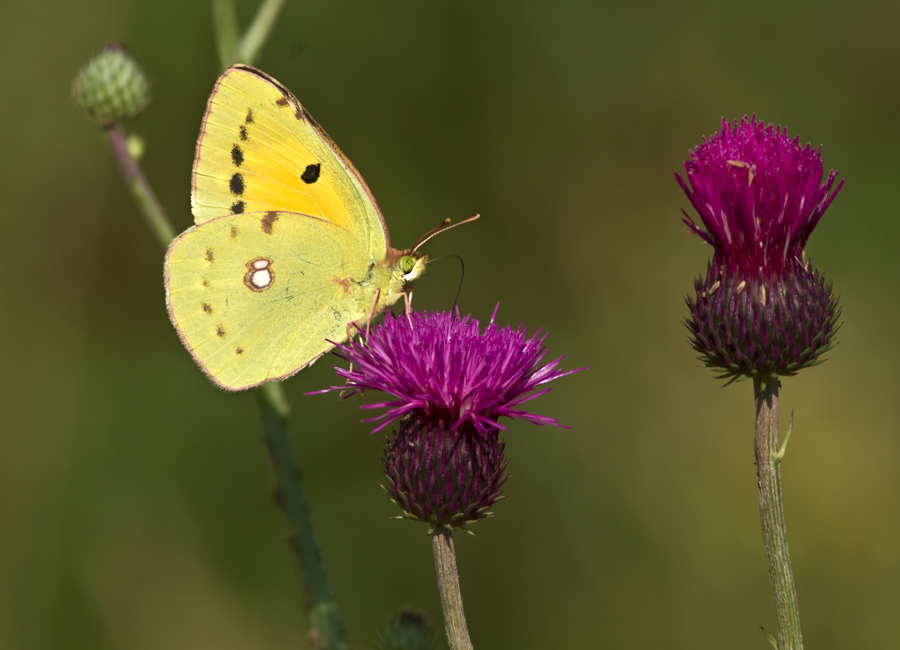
[(407, 264)]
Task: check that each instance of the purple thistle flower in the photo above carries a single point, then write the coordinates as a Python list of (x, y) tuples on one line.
[(442, 369), (451, 383), (761, 309)]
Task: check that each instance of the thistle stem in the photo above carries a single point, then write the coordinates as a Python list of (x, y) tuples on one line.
[(325, 618), (451, 596), (258, 31), (226, 30), (771, 514), (137, 183)]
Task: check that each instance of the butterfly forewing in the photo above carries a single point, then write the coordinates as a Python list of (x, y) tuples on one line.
[(260, 151)]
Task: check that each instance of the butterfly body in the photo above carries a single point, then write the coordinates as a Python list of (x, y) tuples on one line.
[(289, 249)]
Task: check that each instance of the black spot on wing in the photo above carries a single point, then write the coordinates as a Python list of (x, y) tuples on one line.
[(249, 118), (209, 255), (238, 207), (242, 132), (239, 350), (311, 173), (234, 232), (237, 156), (207, 308), (220, 331), (236, 184)]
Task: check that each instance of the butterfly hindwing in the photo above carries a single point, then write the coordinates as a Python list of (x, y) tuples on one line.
[(251, 306)]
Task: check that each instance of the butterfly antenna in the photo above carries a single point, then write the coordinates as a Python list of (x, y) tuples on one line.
[(444, 227), (462, 273)]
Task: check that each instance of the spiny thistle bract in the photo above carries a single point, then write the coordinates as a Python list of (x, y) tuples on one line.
[(761, 310), (451, 382), (444, 477), (408, 630)]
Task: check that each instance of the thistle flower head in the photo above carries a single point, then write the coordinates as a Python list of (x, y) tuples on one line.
[(444, 370), (451, 382), (761, 309), (758, 194)]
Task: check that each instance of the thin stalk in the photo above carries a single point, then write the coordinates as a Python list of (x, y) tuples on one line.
[(234, 48), (137, 183), (259, 30), (771, 514), (451, 596), (327, 625), (325, 618), (226, 29)]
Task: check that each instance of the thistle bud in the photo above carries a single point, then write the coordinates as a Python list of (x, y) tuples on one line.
[(407, 631), (111, 87)]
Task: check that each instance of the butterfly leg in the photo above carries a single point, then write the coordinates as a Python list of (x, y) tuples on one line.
[(372, 313), (352, 331), (407, 300)]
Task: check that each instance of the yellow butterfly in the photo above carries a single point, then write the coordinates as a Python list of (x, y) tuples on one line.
[(289, 249)]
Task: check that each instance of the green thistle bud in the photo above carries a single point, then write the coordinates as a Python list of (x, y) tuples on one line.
[(111, 87), (407, 631)]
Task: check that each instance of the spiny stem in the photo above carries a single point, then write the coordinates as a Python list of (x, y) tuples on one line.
[(326, 622), (451, 596), (289, 494), (771, 514), (325, 617)]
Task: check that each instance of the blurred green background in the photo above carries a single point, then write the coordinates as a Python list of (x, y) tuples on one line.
[(135, 503)]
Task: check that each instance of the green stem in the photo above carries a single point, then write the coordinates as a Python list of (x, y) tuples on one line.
[(327, 626), (234, 49), (259, 31), (771, 514), (226, 30), (136, 181), (451, 596), (325, 618)]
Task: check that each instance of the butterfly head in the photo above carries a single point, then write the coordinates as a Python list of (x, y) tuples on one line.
[(407, 265)]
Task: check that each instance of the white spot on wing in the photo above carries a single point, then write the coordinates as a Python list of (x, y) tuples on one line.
[(261, 279), (260, 275)]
